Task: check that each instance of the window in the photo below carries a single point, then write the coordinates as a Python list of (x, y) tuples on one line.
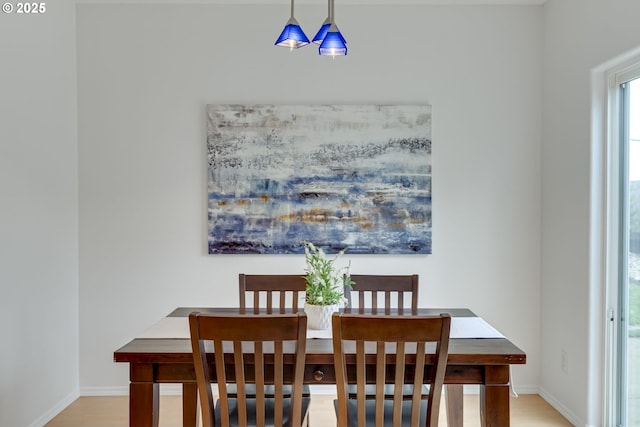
[(624, 232)]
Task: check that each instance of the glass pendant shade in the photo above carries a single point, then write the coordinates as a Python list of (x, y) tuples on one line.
[(292, 36), (333, 44), (322, 32)]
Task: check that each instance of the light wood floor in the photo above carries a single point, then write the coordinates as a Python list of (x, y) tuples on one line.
[(526, 411)]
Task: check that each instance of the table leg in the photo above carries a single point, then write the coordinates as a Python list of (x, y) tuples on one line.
[(143, 404), (189, 405), (455, 405), (494, 397)]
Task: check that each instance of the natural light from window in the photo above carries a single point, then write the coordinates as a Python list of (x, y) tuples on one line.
[(633, 344), (634, 132)]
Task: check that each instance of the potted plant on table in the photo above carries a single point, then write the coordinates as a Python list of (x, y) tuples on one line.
[(325, 286)]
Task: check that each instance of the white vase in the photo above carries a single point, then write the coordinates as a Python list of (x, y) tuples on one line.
[(319, 316)]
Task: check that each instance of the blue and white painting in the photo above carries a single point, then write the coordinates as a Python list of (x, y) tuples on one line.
[(354, 176)]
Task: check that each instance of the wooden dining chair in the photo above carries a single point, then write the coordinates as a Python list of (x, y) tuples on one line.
[(273, 293), (266, 342), (396, 292), (388, 349), (386, 292), (383, 293)]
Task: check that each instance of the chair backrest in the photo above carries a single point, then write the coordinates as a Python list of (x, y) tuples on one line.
[(278, 293), (275, 339), (380, 291), (389, 348)]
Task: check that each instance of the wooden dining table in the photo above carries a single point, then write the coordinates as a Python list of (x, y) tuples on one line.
[(163, 356)]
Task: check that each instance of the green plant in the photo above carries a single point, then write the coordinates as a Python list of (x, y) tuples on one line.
[(325, 281)]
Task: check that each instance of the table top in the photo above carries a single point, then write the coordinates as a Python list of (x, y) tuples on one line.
[(463, 351)]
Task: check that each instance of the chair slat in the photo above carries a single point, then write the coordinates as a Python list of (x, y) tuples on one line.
[(398, 384), (260, 383), (238, 360), (221, 374), (362, 381), (269, 302), (256, 301), (381, 370), (387, 301), (278, 380), (282, 300), (418, 378)]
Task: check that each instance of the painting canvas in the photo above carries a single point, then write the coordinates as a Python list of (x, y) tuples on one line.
[(355, 176)]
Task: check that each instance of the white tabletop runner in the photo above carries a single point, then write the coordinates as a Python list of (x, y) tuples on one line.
[(461, 327)]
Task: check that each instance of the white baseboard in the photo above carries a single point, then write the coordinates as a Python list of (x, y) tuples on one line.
[(104, 391), (564, 411), (524, 389), (55, 409), (165, 390)]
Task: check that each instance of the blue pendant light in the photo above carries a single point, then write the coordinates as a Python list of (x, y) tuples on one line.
[(292, 36), (333, 44), (324, 28)]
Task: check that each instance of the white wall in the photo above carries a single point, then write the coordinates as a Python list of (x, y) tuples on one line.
[(579, 36), (38, 215), (145, 74)]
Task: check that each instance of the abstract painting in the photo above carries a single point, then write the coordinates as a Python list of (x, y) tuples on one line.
[(354, 176)]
